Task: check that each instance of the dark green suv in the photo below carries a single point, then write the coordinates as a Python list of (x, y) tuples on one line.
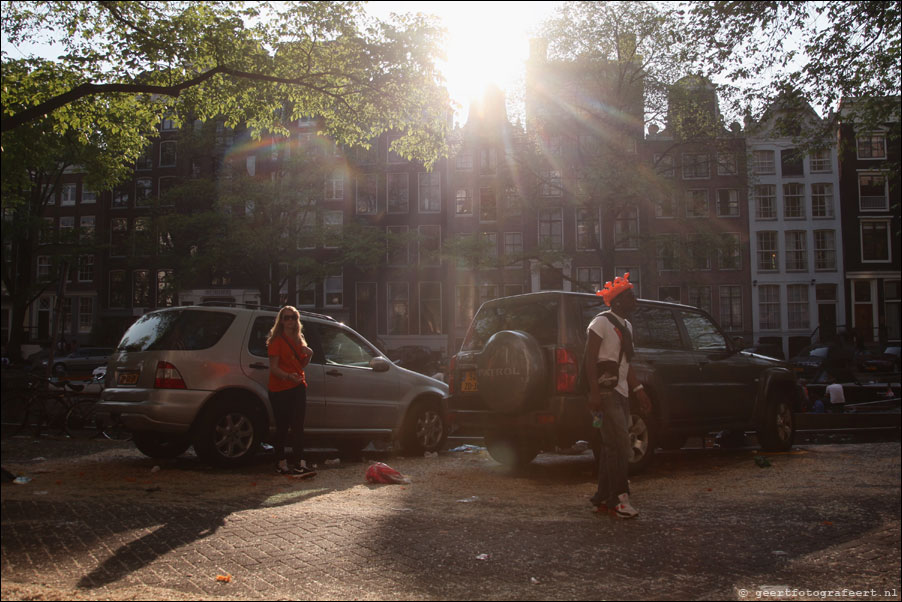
[(517, 379)]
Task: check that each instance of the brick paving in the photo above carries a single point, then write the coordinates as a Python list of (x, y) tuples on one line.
[(713, 525)]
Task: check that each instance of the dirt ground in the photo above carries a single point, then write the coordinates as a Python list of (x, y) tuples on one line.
[(702, 499)]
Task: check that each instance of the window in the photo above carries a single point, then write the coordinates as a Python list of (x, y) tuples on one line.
[(118, 294), (165, 288), (727, 203), (763, 162), (333, 290), (793, 200), (587, 234), (875, 244), (667, 247), (394, 156), (398, 193), (463, 202), (144, 242), (333, 222), (141, 288), (430, 246), (335, 186), (430, 193), (306, 219), (663, 165), (168, 125), (767, 252), (86, 229), (729, 256), (67, 229), (120, 199), (490, 244), (796, 251), (143, 192), (731, 307), (43, 268), (306, 292), (699, 252), (85, 314), (872, 146), (398, 308), (464, 160), (430, 308), (47, 233), (821, 200), (791, 162), (145, 161), (118, 236), (487, 160), (671, 294), (872, 192), (769, 306), (825, 250), (695, 166), (465, 304), (551, 183), (553, 146), (551, 228), (726, 164), (398, 246), (700, 297), (512, 201), (666, 207), (487, 292), (88, 196), (168, 153), (589, 278), (697, 203), (367, 191), (67, 195), (797, 306), (626, 229), (513, 247), (821, 161), (892, 294), (488, 207), (765, 201)]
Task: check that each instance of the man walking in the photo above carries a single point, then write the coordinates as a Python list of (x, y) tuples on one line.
[(609, 349)]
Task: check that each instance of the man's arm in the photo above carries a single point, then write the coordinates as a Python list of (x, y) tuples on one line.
[(637, 389), (592, 347)]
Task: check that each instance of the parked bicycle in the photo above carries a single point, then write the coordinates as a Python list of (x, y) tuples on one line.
[(63, 407)]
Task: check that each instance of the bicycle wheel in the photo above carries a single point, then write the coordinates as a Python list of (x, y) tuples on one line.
[(82, 421), (32, 416)]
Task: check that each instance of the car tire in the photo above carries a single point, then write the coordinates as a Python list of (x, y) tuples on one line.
[(157, 445), (228, 434), (424, 429), (644, 439), (510, 450), (511, 371), (778, 430)]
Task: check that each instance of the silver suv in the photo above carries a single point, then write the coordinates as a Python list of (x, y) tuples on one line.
[(197, 376)]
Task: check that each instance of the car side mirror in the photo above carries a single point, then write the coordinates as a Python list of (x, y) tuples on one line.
[(380, 364)]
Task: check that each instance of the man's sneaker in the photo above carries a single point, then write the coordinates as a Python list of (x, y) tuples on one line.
[(624, 509), (299, 472)]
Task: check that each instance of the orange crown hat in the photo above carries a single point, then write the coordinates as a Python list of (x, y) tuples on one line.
[(611, 290)]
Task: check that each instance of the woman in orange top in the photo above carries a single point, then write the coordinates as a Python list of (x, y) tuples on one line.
[(288, 356)]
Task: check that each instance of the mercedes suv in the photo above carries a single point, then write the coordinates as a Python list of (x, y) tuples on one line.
[(518, 378), (198, 375)]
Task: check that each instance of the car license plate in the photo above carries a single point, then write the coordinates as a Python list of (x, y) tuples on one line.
[(128, 379), (469, 384)]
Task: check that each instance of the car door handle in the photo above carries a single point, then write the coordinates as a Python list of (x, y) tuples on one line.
[(259, 366), (334, 373)]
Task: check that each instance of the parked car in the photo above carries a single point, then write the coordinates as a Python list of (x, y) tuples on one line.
[(198, 376), (888, 361), (809, 362), (418, 358), (518, 378), (81, 360), (767, 349)]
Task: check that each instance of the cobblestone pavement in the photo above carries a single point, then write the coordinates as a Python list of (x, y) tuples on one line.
[(713, 525)]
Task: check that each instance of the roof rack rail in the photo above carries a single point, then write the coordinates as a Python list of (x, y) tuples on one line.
[(309, 314)]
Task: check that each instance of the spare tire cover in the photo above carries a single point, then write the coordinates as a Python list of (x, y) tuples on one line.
[(511, 371)]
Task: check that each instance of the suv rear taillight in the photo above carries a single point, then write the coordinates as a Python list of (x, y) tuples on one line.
[(566, 370), (168, 377), (452, 363)]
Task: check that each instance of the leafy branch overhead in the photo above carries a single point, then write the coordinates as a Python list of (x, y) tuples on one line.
[(253, 63)]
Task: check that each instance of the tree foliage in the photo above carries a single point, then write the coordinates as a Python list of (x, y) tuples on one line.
[(253, 63), (821, 51)]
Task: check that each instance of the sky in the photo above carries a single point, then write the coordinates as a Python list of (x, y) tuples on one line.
[(488, 42)]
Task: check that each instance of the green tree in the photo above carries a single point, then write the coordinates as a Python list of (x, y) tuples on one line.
[(820, 51)]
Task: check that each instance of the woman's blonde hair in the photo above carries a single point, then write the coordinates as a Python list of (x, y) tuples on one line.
[(278, 330)]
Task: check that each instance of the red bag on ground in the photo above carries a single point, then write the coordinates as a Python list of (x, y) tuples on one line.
[(383, 473)]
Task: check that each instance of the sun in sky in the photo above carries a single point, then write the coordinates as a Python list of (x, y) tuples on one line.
[(487, 43)]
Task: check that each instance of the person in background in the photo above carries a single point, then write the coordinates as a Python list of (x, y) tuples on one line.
[(836, 397), (288, 356)]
